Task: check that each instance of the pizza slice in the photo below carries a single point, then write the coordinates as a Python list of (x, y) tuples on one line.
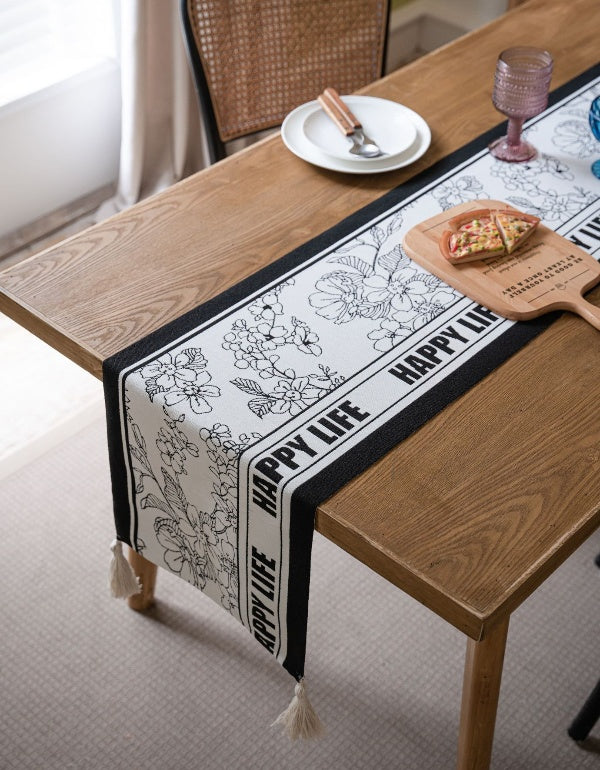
[(486, 233), (473, 235), (515, 227)]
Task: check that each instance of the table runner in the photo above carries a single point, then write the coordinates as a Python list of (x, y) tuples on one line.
[(228, 426)]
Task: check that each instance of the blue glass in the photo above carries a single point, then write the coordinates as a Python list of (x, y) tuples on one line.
[(594, 116)]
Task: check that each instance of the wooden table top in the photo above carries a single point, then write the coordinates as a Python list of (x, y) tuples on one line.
[(473, 511)]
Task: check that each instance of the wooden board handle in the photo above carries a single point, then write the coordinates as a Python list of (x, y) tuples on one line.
[(586, 310), (333, 96), (335, 115)]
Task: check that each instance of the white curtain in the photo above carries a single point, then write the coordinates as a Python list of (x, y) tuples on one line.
[(161, 136)]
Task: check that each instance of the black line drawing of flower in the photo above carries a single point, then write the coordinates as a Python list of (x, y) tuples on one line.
[(228, 564), (290, 394), (216, 436), (379, 282), (389, 333), (575, 138), (170, 371), (293, 395), (458, 190), (179, 554), (170, 453), (266, 307), (181, 378), (401, 288), (553, 206), (188, 543), (267, 336), (196, 394), (429, 307), (260, 346), (305, 340), (554, 167), (337, 297), (528, 191), (526, 177), (229, 595), (199, 545)]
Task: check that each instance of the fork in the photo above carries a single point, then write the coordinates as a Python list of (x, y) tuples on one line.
[(348, 124)]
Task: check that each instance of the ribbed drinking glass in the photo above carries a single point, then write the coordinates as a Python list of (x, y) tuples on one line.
[(521, 86)]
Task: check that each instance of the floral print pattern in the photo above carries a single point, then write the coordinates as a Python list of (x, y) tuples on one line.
[(181, 380), (378, 281), (258, 345), (198, 545)]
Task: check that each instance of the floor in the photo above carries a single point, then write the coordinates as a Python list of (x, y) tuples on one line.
[(34, 418)]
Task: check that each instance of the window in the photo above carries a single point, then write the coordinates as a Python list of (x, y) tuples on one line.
[(60, 106), (43, 42)]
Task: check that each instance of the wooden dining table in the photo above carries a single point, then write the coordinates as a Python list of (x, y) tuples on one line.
[(473, 511)]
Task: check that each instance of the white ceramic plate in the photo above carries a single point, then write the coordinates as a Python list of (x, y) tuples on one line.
[(385, 122), (294, 138)]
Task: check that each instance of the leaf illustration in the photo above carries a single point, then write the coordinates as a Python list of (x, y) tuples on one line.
[(261, 406), (139, 439), (248, 386), (355, 263), (378, 234), (392, 259), (524, 204), (166, 523), (210, 569), (152, 388), (429, 280), (140, 457), (586, 196), (221, 504), (173, 492), (395, 223), (378, 310), (192, 449), (196, 360), (152, 501), (350, 246)]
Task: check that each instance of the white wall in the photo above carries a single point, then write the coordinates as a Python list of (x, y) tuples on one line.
[(420, 26), (468, 14), (58, 145)]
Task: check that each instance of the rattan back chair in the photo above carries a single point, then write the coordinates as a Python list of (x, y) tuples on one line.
[(255, 60)]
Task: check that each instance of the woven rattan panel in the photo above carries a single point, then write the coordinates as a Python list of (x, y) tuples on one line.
[(262, 58)]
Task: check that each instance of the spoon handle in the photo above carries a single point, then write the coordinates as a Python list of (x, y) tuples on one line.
[(334, 97), (336, 115)]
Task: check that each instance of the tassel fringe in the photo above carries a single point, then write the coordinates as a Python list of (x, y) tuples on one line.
[(123, 580), (300, 720)]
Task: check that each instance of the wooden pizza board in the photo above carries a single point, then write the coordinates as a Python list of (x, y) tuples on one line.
[(547, 273)]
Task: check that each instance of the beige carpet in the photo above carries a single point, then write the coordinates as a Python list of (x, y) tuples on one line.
[(87, 683), (45, 397)]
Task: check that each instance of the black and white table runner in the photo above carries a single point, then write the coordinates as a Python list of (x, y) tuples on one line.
[(228, 426)]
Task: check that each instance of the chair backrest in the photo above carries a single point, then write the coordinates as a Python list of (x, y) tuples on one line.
[(255, 60)]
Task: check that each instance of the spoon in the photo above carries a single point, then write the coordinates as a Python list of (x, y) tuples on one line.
[(348, 124), (363, 146)]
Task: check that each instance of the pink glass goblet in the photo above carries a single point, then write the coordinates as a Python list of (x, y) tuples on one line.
[(521, 85)]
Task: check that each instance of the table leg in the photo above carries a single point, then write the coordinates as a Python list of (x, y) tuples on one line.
[(146, 572), (481, 688)]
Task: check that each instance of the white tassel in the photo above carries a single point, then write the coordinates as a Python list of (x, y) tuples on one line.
[(123, 580), (300, 719)]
